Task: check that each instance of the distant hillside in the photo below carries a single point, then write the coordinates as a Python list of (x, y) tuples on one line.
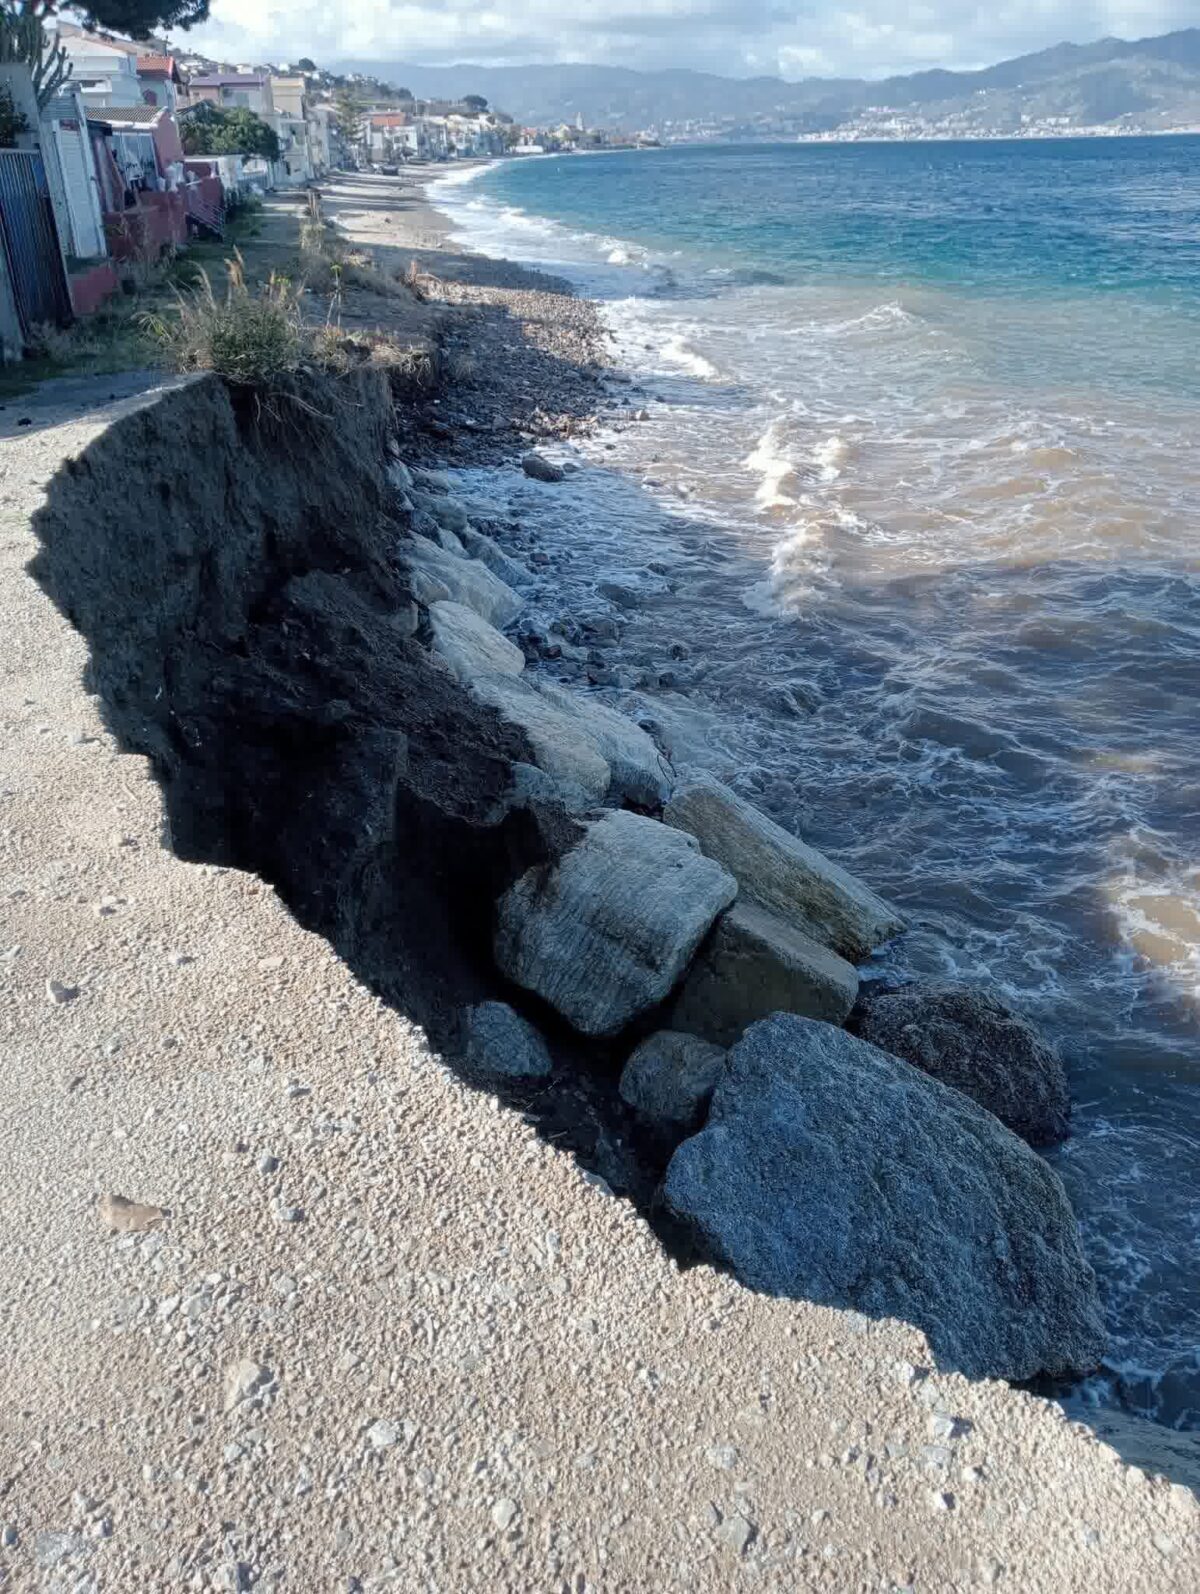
[(1156, 80)]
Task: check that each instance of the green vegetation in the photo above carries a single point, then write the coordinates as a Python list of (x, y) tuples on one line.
[(213, 130), (12, 122), (138, 18), (116, 337), (250, 338)]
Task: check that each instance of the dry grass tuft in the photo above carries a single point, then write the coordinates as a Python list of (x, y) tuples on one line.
[(249, 338)]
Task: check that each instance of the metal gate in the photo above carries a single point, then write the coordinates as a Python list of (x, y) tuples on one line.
[(30, 239)]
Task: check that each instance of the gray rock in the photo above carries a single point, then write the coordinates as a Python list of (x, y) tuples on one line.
[(468, 646), (833, 1172), (638, 771), (605, 933), (449, 514), (243, 1379), (971, 1040), (426, 587), (669, 1080), (382, 1434), (466, 581), (446, 540), (756, 964), (560, 745), (780, 872), (490, 553), (435, 522), (528, 785), (499, 1042), (400, 476), (430, 481), (541, 470)]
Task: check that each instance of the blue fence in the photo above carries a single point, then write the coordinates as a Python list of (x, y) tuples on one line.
[(29, 237)]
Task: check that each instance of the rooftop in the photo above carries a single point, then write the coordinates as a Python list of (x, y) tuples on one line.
[(134, 113)]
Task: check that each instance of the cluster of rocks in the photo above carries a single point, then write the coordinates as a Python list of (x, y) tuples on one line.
[(888, 1169)]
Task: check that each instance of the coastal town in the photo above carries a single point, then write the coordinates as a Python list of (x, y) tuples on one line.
[(116, 152)]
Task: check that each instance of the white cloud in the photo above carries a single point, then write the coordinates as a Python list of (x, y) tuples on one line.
[(794, 38)]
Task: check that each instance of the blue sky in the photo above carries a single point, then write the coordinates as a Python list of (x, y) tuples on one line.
[(860, 38)]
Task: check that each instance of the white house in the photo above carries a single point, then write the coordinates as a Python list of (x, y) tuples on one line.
[(105, 74)]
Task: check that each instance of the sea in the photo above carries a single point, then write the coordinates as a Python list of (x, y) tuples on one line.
[(910, 535)]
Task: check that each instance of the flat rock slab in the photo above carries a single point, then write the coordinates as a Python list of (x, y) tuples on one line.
[(832, 1172), (469, 646), (669, 1080), (561, 746), (500, 1043), (639, 772), (781, 872), (756, 964), (466, 581), (970, 1039), (605, 934)]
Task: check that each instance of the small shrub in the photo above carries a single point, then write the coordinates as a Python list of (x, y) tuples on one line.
[(249, 338)]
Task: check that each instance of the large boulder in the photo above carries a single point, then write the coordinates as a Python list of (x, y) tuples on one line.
[(832, 1172), (541, 470), (640, 774), (755, 964), (780, 872), (469, 646), (499, 1043), (561, 746), (669, 1080), (605, 933), (466, 581), (970, 1039)]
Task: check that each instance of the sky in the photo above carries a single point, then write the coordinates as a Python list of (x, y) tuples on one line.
[(740, 38)]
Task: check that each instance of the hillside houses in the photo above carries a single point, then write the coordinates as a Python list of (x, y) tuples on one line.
[(393, 136), (96, 178)]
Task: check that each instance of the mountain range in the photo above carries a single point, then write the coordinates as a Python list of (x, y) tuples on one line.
[(1153, 82)]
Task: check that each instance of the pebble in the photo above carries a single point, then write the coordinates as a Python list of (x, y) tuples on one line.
[(736, 1532), (938, 1501), (382, 1435), (505, 1513), (243, 1379), (59, 993), (9, 1537), (267, 1163), (722, 1456), (286, 1214)]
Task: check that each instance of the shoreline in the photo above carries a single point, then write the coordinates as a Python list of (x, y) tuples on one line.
[(383, 1327), (559, 653)]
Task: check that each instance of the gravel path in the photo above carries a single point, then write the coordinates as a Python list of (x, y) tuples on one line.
[(365, 1329)]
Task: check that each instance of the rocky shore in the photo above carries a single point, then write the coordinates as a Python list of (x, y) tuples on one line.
[(675, 919), (351, 1315)]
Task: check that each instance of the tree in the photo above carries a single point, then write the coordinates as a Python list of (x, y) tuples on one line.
[(23, 39), (305, 65), (138, 18), (348, 108), (212, 130), (12, 122), (476, 103)]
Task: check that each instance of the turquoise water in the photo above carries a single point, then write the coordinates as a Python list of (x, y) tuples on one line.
[(920, 454), (1016, 217)]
